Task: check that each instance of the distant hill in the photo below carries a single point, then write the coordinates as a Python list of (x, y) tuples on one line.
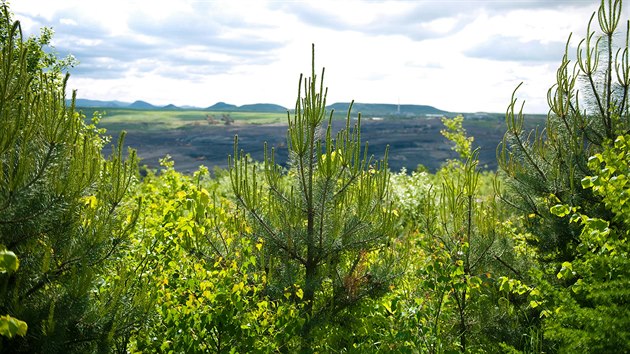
[(82, 102), (367, 109), (222, 106), (141, 105), (262, 107), (386, 109), (256, 107)]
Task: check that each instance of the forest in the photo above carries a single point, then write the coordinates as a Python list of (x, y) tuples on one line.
[(331, 253)]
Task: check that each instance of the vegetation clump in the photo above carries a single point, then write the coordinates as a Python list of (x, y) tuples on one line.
[(333, 253), (64, 210)]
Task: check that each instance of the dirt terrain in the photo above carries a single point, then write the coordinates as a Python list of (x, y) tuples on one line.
[(411, 141)]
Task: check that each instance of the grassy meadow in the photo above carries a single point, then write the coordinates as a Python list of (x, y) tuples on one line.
[(155, 120)]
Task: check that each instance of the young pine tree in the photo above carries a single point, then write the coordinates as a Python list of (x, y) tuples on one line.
[(592, 313), (587, 106), (462, 238), (61, 206), (326, 221), (577, 228)]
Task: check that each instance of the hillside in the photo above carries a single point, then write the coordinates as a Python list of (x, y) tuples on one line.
[(366, 109), (82, 102), (142, 105), (222, 106), (262, 107), (387, 109), (256, 107), (171, 107)]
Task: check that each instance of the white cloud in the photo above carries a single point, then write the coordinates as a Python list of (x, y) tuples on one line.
[(455, 55), (68, 21)]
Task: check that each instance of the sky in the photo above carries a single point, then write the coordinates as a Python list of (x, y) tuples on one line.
[(455, 55)]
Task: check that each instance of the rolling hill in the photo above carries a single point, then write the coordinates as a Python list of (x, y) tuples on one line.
[(387, 109), (141, 105), (366, 109), (262, 107), (222, 106), (82, 102)]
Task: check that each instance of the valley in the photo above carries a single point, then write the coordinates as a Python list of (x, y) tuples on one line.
[(201, 137)]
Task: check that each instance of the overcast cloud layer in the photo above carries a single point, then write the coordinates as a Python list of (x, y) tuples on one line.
[(463, 56)]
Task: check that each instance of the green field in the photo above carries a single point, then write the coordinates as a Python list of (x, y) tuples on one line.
[(159, 120), (117, 119)]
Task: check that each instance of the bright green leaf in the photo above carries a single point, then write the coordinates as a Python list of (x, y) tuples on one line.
[(10, 327), (560, 210), (8, 261)]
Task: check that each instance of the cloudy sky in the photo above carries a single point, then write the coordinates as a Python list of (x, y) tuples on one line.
[(456, 55)]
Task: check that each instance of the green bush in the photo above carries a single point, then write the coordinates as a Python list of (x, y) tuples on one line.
[(61, 206)]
